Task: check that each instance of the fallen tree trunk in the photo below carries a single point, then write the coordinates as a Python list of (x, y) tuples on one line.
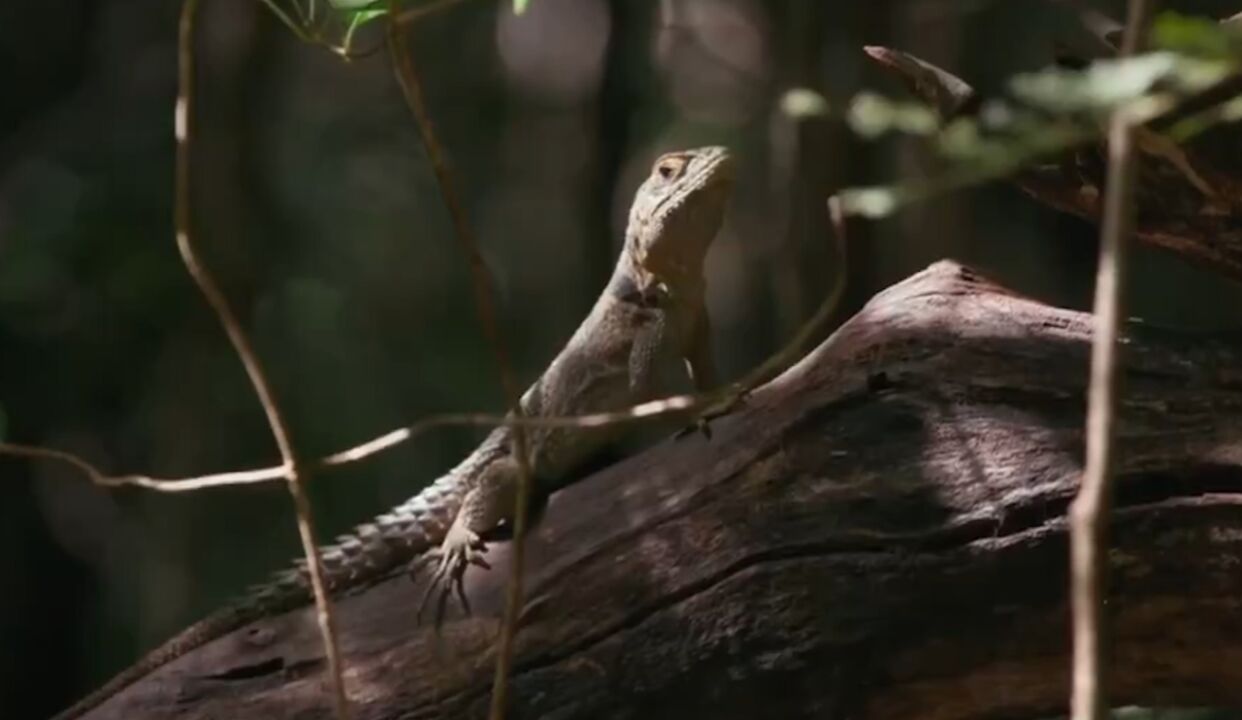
[(879, 533)]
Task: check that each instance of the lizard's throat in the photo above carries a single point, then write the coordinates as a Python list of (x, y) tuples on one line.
[(652, 269)]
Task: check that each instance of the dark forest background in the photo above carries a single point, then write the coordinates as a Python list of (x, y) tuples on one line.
[(315, 207)]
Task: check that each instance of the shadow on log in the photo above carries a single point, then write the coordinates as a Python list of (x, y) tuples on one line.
[(879, 533)]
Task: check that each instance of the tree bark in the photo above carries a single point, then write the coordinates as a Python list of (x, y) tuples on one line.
[(879, 533)]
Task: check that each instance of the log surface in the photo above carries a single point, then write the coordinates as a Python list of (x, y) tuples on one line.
[(879, 533)]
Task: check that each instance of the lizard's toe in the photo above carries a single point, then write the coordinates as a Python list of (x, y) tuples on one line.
[(460, 549)]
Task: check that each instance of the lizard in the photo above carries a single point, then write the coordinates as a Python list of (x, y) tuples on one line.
[(650, 317)]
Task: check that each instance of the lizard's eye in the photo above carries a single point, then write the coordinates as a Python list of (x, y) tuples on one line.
[(670, 168)]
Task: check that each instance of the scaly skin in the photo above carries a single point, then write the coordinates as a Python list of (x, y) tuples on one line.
[(649, 316)]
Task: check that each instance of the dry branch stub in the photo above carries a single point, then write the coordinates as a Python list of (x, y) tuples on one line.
[(878, 533), (1188, 197)]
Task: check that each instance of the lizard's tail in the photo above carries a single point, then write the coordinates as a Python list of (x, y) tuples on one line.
[(249, 608), (198, 634), (356, 560)]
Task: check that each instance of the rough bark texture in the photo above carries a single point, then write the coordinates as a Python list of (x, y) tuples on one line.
[(880, 533)]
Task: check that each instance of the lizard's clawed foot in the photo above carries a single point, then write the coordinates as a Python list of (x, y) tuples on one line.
[(461, 548)]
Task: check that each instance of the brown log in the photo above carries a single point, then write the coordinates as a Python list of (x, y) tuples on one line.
[(878, 534)]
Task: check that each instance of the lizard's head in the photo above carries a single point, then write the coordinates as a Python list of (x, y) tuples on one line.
[(678, 210)]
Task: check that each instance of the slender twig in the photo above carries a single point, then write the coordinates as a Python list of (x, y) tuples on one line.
[(1089, 512), (675, 404), (297, 9), (304, 31), (103, 479), (672, 405), (294, 26), (784, 357), (295, 473), (411, 87), (792, 350)]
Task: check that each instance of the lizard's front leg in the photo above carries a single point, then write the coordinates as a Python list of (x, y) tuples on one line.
[(482, 509)]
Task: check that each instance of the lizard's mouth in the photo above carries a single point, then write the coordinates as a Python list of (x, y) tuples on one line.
[(693, 216), (711, 166)]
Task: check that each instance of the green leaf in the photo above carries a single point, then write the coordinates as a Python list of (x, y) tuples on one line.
[(1198, 36), (362, 17), (803, 103), (872, 115), (519, 6), (1106, 85), (1102, 86), (872, 202), (357, 19)]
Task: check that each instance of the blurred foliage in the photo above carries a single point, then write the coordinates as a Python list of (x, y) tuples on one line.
[(872, 116), (1052, 110), (344, 18), (1197, 36), (802, 103)]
